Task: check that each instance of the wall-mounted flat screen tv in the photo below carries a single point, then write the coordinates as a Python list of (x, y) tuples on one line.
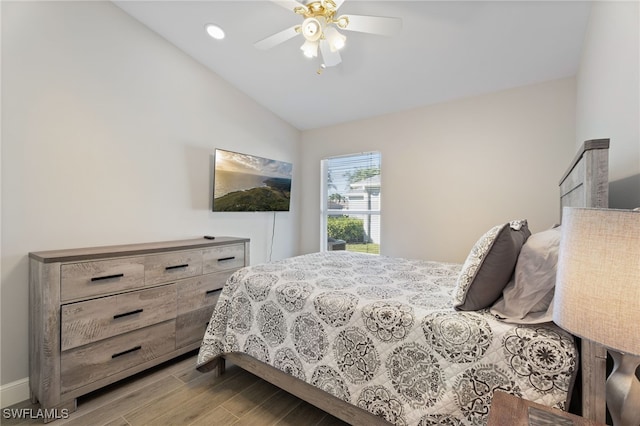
[(246, 183)]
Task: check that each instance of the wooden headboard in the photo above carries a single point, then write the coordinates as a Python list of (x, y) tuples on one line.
[(586, 184)]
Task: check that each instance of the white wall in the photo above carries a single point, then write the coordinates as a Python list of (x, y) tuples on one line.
[(107, 137), (451, 171), (608, 94)]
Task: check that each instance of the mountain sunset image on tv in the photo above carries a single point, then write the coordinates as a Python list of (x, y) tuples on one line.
[(246, 183)]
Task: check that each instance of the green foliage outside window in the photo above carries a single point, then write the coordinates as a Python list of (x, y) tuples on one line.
[(346, 228)]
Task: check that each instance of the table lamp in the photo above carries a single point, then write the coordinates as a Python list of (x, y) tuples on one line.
[(597, 296)]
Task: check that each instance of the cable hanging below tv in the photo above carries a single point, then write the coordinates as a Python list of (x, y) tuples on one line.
[(246, 183)]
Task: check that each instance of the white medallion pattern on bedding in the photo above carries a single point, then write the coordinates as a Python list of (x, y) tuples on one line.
[(381, 333)]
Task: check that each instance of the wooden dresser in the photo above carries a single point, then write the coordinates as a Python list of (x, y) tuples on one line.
[(97, 315)]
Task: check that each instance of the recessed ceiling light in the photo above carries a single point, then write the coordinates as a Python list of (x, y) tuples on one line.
[(214, 31)]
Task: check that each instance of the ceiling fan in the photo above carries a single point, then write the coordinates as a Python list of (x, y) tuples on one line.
[(320, 28)]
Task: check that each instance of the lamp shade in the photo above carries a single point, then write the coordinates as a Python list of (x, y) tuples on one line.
[(597, 293)]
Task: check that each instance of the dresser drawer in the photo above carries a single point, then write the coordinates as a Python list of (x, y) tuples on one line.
[(174, 266), (87, 364), (86, 279), (97, 319), (191, 326), (195, 293), (223, 258)]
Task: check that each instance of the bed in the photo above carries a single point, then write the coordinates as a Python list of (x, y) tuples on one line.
[(379, 340)]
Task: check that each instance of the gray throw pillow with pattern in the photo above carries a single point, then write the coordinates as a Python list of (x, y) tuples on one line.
[(489, 266)]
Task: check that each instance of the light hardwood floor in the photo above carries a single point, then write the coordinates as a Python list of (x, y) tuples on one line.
[(175, 393)]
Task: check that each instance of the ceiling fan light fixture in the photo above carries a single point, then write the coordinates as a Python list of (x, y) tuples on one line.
[(310, 49), (335, 39), (214, 31), (311, 29), (321, 29)]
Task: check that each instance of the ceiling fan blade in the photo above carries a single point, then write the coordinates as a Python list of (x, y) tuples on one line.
[(291, 5), (329, 58), (277, 38), (374, 24)]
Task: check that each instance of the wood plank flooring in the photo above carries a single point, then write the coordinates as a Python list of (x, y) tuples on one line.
[(175, 393)]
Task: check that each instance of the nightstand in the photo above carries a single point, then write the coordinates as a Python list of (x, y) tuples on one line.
[(509, 410)]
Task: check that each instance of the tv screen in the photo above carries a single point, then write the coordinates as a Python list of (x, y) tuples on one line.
[(246, 183)]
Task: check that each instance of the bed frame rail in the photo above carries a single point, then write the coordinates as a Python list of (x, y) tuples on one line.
[(325, 401)]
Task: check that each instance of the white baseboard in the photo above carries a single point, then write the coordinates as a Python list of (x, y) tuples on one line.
[(14, 392)]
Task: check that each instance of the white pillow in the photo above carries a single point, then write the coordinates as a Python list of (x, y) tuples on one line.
[(528, 297)]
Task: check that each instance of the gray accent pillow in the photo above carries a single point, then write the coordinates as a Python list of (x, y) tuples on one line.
[(489, 266), (528, 298)]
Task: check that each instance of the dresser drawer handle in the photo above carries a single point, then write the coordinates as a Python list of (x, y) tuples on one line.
[(210, 292), (135, 348), (137, 311), (107, 277), (169, 268), (226, 258)]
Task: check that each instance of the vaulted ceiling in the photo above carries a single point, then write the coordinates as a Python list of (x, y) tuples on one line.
[(446, 50)]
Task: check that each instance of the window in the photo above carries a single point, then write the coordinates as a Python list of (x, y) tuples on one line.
[(350, 218)]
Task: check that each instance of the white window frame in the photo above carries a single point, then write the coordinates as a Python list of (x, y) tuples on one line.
[(324, 194)]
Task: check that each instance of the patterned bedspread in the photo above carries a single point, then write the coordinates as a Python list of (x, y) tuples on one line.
[(381, 333)]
